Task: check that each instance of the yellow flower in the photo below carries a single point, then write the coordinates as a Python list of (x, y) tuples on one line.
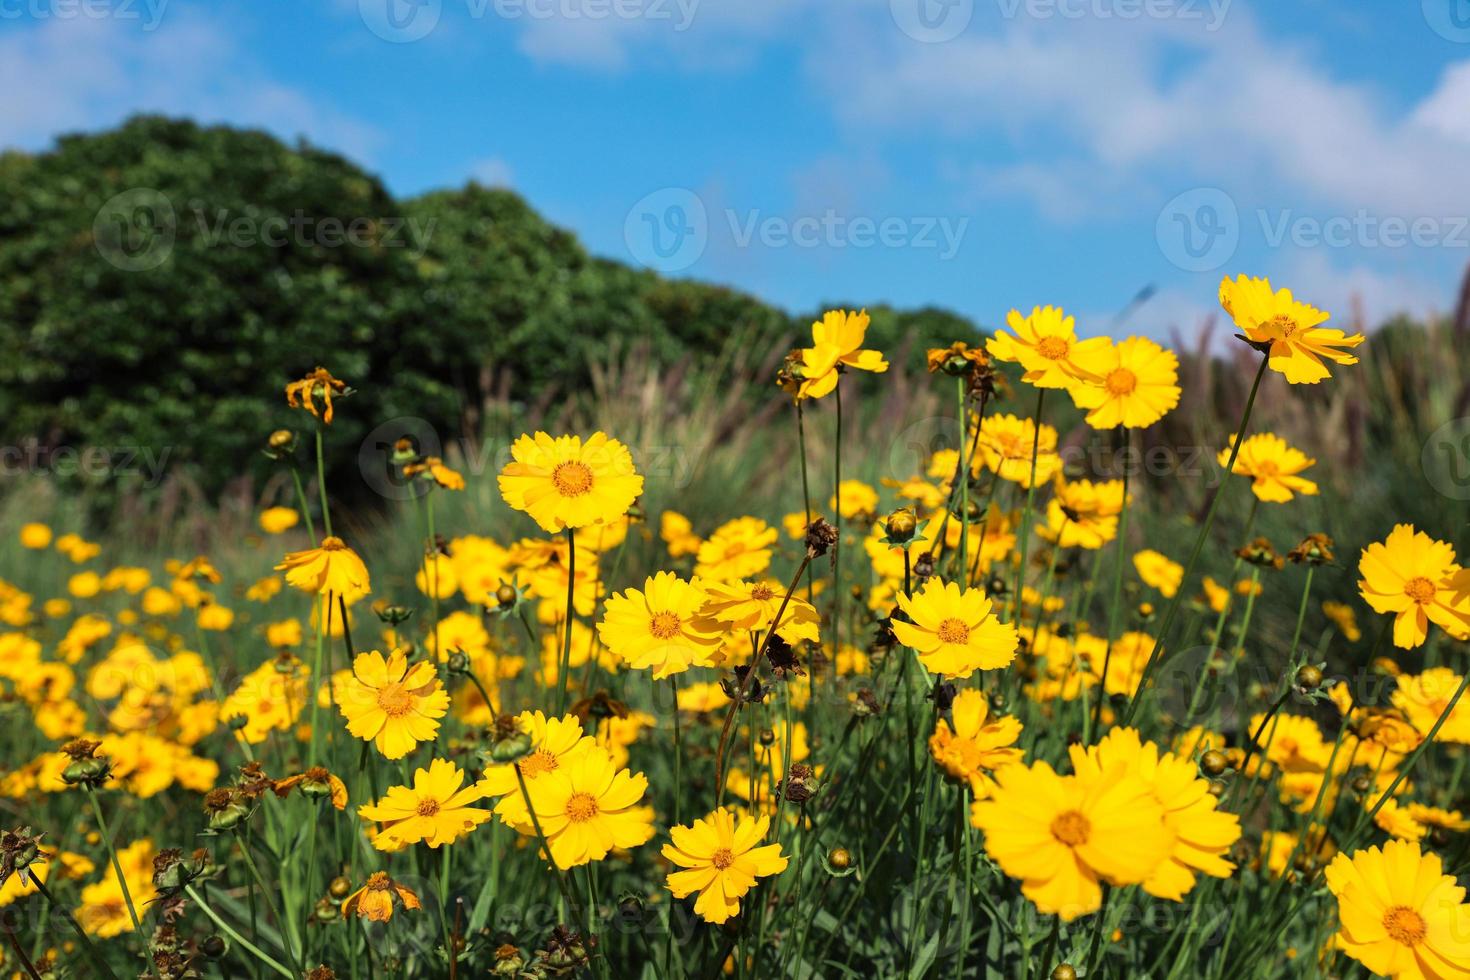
[(661, 626), (276, 520), (214, 617), (104, 910), (1062, 836), (1415, 578), (333, 568), (978, 744), (954, 630), (268, 699), (1297, 345), (1132, 384), (1202, 834), (856, 498), (738, 549), (589, 807), (555, 743), (746, 606), (376, 900), (35, 536), (391, 704), (566, 483), (1045, 344), (720, 857), (837, 341), (1083, 514), (1005, 449), (1159, 572), (1344, 618), (433, 467), (437, 577), (1399, 914), (436, 811), (286, 633), (1423, 697), (1273, 466), (676, 531), (318, 384), (84, 585)]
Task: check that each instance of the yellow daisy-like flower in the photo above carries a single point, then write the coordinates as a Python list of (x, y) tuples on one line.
[(1083, 514), (436, 810), (1399, 914), (318, 384), (978, 744), (1133, 384), (1272, 466), (746, 606), (556, 743), (376, 900), (331, 568), (954, 630), (276, 520), (738, 549), (837, 341), (433, 468), (1045, 344), (1297, 345), (720, 857), (588, 808), (1063, 836), (678, 533), (1202, 834), (566, 483), (854, 497), (392, 704), (1423, 698), (1344, 618), (661, 626), (35, 536), (1005, 445), (1415, 578), (268, 699), (1159, 571), (104, 911)]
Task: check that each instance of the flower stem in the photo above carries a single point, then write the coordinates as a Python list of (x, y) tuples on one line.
[(122, 880), (1199, 544), (1115, 602), (321, 483), (1030, 498), (964, 422), (565, 666), (235, 936), (87, 943)]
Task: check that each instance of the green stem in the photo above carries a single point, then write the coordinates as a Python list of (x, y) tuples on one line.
[(301, 502), (87, 943), (321, 483), (1030, 499), (964, 422), (122, 880), (565, 666), (1115, 602), (1199, 545), (239, 940)]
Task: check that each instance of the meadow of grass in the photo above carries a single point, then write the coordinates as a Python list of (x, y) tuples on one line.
[(1137, 764)]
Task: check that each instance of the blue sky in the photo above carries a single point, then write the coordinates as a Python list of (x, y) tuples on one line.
[(974, 154)]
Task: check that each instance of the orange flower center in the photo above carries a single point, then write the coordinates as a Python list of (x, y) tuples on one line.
[(581, 807), (428, 807), (954, 631), (538, 762), (1420, 589), (722, 858), (762, 592), (1053, 348), (395, 700), (664, 625), (264, 706), (379, 881), (1121, 381), (572, 479), (333, 544), (1071, 828), (1404, 925), (1267, 467)]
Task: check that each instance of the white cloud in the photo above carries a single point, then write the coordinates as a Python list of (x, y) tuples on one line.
[(493, 172), (90, 73)]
